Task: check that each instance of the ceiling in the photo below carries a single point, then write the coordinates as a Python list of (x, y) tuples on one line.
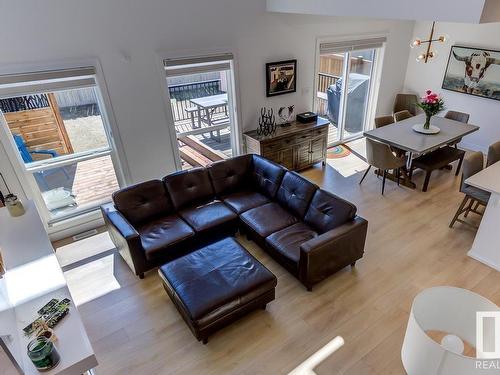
[(466, 11)]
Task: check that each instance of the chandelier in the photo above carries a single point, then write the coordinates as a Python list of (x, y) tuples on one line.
[(428, 53)]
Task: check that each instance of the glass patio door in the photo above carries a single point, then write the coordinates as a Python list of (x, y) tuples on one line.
[(344, 87), (201, 95)]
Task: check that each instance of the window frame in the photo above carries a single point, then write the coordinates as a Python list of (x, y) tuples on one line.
[(233, 105), (25, 172)]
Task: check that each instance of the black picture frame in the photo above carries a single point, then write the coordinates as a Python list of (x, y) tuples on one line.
[(289, 70), (489, 89)]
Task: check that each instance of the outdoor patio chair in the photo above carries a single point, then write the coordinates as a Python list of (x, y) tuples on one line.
[(27, 157)]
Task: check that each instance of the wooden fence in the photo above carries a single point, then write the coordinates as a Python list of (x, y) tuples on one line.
[(41, 128)]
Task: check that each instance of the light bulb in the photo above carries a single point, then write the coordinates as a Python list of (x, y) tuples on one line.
[(421, 57), (433, 54), (444, 38), (417, 42)]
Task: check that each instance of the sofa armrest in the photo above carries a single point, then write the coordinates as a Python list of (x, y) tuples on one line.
[(331, 251), (126, 238), (118, 221)]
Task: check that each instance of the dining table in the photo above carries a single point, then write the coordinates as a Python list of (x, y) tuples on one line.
[(486, 248), (402, 136)]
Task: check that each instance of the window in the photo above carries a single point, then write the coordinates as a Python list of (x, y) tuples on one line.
[(59, 140), (344, 82), (201, 94)]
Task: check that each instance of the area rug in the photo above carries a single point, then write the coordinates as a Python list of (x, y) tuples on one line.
[(337, 152)]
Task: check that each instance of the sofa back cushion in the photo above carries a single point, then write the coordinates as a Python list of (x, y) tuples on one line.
[(230, 175), (144, 201), (295, 193), (189, 187), (266, 176), (327, 211)]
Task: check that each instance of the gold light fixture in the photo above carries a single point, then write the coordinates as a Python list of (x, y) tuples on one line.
[(429, 53)]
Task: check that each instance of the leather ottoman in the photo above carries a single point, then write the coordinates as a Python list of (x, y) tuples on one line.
[(215, 285)]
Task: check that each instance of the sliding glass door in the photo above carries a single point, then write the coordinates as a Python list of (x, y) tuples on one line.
[(345, 86), (55, 131), (201, 95)]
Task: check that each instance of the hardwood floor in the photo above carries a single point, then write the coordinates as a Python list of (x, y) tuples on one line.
[(135, 329)]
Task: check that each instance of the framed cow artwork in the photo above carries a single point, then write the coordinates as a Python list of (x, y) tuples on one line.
[(474, 71)]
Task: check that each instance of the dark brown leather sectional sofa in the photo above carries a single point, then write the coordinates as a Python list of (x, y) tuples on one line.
[(311, 232)]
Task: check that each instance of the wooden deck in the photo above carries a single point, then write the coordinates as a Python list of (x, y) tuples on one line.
[(91, 182), (201, 149)]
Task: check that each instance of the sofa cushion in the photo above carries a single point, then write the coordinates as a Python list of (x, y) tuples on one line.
[(266, 176), (287, 241), (295, 193), (208, 215), (143, 202), (244, 200), (327, 211), (157, 235), (189, 187), (230, 175), (268, 219)]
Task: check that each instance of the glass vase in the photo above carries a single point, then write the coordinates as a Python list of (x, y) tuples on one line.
[(427, 123)]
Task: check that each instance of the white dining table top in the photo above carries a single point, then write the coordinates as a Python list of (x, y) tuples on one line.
[(488, 179), (401, 135), (210, 101)]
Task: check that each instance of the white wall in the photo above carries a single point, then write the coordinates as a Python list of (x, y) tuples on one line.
[(419, 77), (54, 30)]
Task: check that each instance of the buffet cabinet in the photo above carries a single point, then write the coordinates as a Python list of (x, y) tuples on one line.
[(297, 146)]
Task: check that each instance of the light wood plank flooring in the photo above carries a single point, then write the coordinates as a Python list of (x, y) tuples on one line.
[(135, 329)]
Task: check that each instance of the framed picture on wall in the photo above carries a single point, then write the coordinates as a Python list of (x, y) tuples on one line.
[(281, 77), (473, 71)]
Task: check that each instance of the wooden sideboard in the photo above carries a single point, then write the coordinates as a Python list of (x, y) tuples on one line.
[(296, 147)]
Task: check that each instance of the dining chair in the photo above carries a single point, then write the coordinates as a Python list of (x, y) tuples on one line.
[(383, 121), (457, 116), (405, 102), (474, 197), (460, 117), (493, 154), (402, 115), (380, 156)]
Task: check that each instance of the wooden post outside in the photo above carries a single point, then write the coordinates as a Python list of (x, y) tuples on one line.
[(68, 148)]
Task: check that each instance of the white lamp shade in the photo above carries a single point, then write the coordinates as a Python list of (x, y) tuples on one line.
[(446, 309)]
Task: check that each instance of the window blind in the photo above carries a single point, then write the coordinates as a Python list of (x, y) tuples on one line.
[(193, 65), (46, 81), (352, 45)]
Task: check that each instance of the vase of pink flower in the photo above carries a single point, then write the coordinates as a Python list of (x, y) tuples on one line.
[(431, 103)]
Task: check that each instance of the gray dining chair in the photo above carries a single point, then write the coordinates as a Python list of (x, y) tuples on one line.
[(402, 115), (383, 121), (380, 156), (460, 117), (493, 154), (474, 197), (457, 116), (406, 102)]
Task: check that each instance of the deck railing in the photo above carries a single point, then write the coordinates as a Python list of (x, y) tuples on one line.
[(325, 80), (24, 103), (180, 96)]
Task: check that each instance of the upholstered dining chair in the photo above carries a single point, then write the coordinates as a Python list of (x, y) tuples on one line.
[(380, 156), (402, 115), (493, 154), (457, 116), (383, 121), (406, 102), (474, 197)]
